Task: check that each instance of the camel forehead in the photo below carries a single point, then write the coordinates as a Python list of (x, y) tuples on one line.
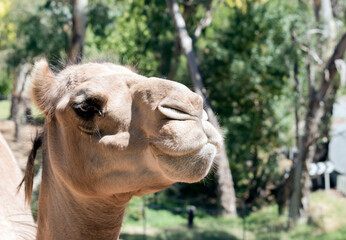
[(95, 74), (108, 80), (96, 69)]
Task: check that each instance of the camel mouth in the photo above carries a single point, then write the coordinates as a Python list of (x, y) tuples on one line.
[(188, 167), (174, 149), (184, 150)]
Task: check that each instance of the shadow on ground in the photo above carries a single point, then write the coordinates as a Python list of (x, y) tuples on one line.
[(174, 234)]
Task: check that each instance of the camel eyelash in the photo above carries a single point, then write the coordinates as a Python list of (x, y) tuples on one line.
[(87, 130), (88, 109), (90, 129)]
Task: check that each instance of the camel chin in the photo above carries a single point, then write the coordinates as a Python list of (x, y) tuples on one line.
[(188, 168)]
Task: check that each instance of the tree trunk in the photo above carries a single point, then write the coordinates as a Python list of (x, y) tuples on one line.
[(18, 99), (329, 33), (329, 27), (322, 149), (283, 191), (313, 117), (319, 104), (225, 182), (79, 23)]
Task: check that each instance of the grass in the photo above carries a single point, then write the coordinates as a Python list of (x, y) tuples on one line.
[(5, 109), (328, 222)]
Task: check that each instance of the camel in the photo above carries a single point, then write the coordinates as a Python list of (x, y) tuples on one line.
[(16, 221), (111, 134)]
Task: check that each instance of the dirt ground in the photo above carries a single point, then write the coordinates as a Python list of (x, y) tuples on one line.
[(22, 147)]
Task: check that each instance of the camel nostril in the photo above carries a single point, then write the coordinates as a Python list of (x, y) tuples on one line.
[(174, 112), (177, 109)]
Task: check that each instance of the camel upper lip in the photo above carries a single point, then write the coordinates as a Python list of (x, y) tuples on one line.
[(178, 110)]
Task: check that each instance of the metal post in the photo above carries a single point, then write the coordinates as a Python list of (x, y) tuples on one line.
[(326, 181), (144, 219), (191, 213), (244, 220)]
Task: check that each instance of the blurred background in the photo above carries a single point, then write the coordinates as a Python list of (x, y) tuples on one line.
[(271, 72)]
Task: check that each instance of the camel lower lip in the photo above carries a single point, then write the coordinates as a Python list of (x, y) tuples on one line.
[(174, 152), (188, 168)]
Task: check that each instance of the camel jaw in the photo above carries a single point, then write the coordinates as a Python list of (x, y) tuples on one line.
[(189, 167)]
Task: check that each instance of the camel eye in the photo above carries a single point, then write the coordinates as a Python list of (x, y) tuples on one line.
[(87, 109)]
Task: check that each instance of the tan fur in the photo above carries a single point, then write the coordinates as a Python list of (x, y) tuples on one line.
[(42, 94), (148, 133), (16, 221)]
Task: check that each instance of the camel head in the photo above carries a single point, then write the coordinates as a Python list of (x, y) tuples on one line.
[(111, 131)]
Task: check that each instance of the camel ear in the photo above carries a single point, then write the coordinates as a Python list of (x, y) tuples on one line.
[(43, 86)]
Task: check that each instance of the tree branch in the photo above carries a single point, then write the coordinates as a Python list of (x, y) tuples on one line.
[(330, 69), (205, 22)]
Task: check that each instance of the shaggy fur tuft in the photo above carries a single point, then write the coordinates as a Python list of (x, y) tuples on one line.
[(30, 167)]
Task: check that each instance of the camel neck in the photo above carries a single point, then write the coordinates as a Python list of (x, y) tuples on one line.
[(63, 214)]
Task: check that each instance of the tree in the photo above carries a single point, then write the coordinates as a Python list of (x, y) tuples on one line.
[(20, 102), (7, 36), (313, 117), (318, 108), (41, 30), (244, 70), (227, 198), (79, 22), (330, 14), (26, 37)]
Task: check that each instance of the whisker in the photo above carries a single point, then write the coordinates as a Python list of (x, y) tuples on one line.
[(98, 131), (27, 235), (24, 224)]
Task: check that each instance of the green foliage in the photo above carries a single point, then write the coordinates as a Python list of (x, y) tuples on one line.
[(5, 83), (99, 18), (244, 68), (43, 32), (143, 37)]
